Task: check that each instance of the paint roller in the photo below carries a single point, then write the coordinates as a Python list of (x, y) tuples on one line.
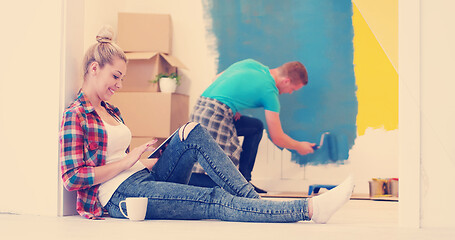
[(331, 143), (321, 142)]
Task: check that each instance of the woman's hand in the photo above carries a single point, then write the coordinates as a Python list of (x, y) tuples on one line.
[(110, 170), (135, 154), (149, 162)]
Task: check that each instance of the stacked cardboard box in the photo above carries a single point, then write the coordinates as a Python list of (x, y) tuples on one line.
[(147, 40)]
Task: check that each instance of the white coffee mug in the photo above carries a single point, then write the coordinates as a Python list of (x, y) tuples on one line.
[(136, 208)]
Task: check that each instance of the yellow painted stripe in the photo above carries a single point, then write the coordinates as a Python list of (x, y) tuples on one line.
[(382, 19), (376, 78)]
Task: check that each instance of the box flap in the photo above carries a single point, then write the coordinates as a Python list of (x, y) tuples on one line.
[(140, 55), (173, 61)]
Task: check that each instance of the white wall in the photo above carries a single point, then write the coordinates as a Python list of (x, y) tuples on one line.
[(427, 113), (73, 51), (437, 113), (409, 112), (29, 98)]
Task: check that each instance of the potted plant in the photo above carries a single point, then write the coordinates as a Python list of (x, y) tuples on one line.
[(168, 81)]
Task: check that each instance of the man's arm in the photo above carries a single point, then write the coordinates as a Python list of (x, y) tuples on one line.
[(281, 139)]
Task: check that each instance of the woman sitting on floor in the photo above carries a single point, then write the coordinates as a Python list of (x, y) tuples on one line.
[(96, 163)]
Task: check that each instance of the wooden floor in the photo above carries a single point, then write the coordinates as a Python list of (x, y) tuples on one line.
[(305, 195), (358, 219)]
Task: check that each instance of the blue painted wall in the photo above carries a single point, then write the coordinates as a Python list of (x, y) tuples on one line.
[(319, 34)]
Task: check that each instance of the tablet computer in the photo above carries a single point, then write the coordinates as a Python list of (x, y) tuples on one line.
[(160, 149)]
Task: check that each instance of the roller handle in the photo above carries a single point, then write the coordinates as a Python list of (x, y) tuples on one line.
[(317, 146)]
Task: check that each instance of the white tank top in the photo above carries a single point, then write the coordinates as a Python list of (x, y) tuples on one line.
[(118, 140)]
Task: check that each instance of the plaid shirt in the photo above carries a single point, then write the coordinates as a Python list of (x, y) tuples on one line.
[(83, 146)]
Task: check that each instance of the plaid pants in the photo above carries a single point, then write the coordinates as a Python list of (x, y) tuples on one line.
[(218, 119)]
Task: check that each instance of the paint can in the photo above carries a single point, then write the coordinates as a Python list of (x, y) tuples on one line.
[(393, 183), (379, 187), (383, 187)]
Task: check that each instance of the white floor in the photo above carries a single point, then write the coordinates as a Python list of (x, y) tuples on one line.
[(359, 219)]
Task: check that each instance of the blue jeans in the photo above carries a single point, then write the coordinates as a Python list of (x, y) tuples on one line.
[(234, 199), (251, 129)]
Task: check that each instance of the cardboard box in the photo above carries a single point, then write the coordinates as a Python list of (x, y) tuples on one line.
[(146, 40), (140, 32), (152, 114), (144, 66)]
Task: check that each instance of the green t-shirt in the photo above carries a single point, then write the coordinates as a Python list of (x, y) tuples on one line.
[(245, 84)]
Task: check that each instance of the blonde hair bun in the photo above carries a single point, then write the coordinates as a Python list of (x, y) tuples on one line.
[(104, 51), (105, 35)]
